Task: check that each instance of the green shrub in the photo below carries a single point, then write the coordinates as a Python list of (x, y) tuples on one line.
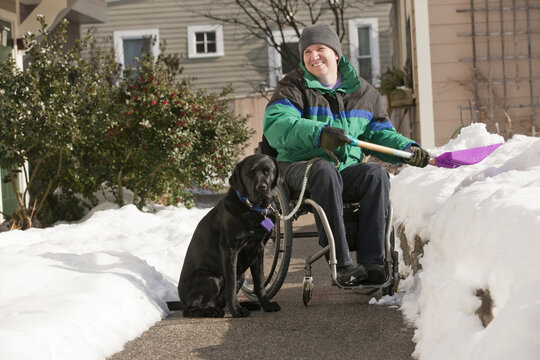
[(77, 124), (167, 137), (392, 79), (38, 122)]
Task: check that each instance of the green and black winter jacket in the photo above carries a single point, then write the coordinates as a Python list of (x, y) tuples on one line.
[(300, 107)]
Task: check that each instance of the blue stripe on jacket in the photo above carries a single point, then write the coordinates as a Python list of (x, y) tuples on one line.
[(285, 102), (318, 111), (359, 113), (376, 125), (324, 111), (313, 111)]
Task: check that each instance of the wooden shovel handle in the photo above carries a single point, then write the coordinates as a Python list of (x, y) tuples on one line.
[(384, 149), (380, 148)]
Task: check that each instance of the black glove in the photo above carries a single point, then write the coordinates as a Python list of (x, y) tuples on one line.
[(332, 138), (420, 157)]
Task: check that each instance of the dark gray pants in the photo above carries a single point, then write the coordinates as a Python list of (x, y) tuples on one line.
[(367, 183)]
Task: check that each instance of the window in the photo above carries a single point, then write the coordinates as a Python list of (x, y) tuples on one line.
[(205, 41), (364, 48), (292, 49), (278, 65), (132, 44)]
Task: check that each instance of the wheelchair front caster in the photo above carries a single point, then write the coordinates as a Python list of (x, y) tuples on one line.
[(307, 291)]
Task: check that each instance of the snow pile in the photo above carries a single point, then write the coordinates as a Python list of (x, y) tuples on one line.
[(482, 222), (81, 291)]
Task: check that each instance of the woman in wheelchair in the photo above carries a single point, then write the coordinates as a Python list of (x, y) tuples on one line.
[(312, 110)]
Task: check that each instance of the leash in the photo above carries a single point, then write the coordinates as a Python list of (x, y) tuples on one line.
[(304, 185)]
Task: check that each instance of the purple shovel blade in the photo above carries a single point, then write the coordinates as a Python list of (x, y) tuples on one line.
[(453, 159)]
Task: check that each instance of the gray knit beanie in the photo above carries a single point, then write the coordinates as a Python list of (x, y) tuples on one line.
[(319, 34)]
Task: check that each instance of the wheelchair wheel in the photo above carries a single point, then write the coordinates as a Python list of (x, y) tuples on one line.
[(277, 252)]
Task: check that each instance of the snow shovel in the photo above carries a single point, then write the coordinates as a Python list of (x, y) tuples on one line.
[(450, 160)]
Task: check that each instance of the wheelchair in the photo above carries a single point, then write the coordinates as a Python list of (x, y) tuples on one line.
[(278, 249)]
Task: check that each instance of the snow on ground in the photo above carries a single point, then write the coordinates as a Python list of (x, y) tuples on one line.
[(82, 290)]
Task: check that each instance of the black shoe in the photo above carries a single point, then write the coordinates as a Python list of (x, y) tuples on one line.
[(375, 273), (351, 274)]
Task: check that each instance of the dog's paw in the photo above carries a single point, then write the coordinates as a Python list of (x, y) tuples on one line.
[(214, 312), (271, 306), (251, 305), (240, 312)]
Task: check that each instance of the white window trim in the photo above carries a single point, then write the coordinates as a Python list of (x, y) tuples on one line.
[(274, 57), (192, 50), (121, 35), (373, 24)]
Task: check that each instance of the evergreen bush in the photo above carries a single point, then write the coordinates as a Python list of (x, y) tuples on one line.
[(77, 125)]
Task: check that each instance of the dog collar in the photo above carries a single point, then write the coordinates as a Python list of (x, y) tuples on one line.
[(266, 223), (246, 201)]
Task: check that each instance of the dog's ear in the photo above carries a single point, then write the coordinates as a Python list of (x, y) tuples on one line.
[(235, 181), (277, 176)]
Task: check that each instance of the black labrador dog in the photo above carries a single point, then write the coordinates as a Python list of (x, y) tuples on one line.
[(229, 240)]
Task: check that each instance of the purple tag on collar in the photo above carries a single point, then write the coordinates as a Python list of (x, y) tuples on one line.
[(267, 224)]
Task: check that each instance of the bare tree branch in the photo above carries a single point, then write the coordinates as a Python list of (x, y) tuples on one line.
[(266, 18), (270, 20)]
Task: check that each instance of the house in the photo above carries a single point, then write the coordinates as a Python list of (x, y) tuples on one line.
[(472, 60), (17, 17), (216, 51)]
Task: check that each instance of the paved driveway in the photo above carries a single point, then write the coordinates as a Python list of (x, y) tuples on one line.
[(339, 324)]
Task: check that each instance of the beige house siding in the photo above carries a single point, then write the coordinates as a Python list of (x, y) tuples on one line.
[(254, 106), (8, 5), (452, 68), (448, 72), (452, 76)]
